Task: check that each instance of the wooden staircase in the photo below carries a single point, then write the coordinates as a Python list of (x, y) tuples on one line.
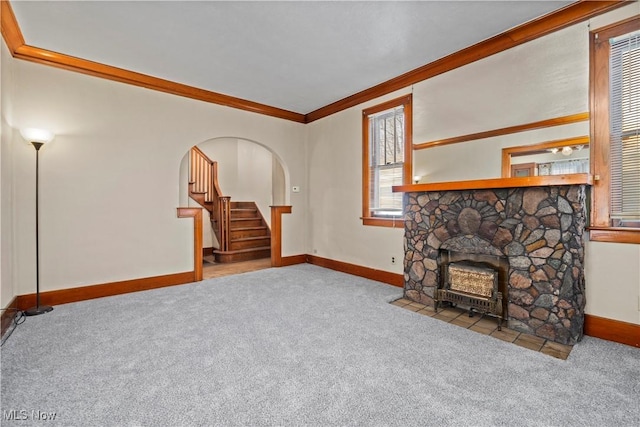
[(240, 228), (249, 236)]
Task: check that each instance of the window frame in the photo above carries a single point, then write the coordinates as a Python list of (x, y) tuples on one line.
[(407, 167), (600, 228)]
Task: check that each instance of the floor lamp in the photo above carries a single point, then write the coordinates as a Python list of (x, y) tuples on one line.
[(38, 138)]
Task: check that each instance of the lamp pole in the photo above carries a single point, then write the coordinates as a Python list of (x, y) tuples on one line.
[(38, 309)]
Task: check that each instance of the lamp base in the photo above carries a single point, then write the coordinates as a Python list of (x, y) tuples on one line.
[(41, 309)]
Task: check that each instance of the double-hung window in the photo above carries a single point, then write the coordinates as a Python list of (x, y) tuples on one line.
[(615, 95), (386, 160)]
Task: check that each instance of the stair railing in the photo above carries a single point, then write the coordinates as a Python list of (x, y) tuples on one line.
[(203, 177), (224, 224)]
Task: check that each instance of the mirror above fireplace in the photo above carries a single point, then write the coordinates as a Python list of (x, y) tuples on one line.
[(560, 157)]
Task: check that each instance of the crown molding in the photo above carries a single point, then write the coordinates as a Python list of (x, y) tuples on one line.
[(554, 21), (10, 29), (572, 14), (19, 49)]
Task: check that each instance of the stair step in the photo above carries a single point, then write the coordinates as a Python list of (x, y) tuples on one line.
[(243, 205), (245, 222), (244, 213), (250, 242), (242, 254), (238, 233)]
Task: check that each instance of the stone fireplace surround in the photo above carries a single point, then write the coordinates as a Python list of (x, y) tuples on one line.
[(539, 229)]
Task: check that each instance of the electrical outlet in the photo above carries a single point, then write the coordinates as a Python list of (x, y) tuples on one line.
[(393, 260)]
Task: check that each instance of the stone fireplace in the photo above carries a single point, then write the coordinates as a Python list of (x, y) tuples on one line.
[(537, 229)]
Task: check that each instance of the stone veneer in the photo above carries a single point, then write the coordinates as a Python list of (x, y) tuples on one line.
[(539, 229)]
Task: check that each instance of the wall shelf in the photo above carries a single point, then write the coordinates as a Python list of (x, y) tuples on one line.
[(479, 184)]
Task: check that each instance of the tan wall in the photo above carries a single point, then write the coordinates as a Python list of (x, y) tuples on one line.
[(613, 270), (335, 199), (110, 179), (7, 284), (244, 170), (245, 173), (542, 79)]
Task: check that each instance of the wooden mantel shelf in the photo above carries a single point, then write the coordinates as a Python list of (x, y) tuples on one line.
[(482, 184)]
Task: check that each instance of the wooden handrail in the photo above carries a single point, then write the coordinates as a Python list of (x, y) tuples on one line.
[(203, 180), (224, 222)]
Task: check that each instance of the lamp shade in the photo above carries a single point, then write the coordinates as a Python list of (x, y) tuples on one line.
[(37, 135)]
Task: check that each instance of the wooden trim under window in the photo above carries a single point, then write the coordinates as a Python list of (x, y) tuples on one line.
[(614, 234), (599, 49), (406, 102), (384, 222)]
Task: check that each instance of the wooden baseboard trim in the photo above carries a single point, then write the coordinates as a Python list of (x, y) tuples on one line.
[(292, 260), (393, 279), (8, 314), (207, 251), (612, 330), (83, 293)]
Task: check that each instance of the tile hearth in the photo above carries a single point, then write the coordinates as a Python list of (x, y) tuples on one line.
[(487, 326)]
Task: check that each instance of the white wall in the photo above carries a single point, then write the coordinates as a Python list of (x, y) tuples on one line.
[(110, 179)]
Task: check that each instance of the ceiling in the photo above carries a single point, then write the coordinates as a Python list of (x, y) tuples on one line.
[(294, 55)]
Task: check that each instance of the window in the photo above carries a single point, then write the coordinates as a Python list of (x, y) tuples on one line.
[(615, 92), (386, 160)]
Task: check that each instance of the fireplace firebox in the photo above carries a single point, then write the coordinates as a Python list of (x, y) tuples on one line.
[(474, 281)]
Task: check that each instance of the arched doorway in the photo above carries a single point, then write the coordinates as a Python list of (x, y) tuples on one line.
[(252, 175)]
